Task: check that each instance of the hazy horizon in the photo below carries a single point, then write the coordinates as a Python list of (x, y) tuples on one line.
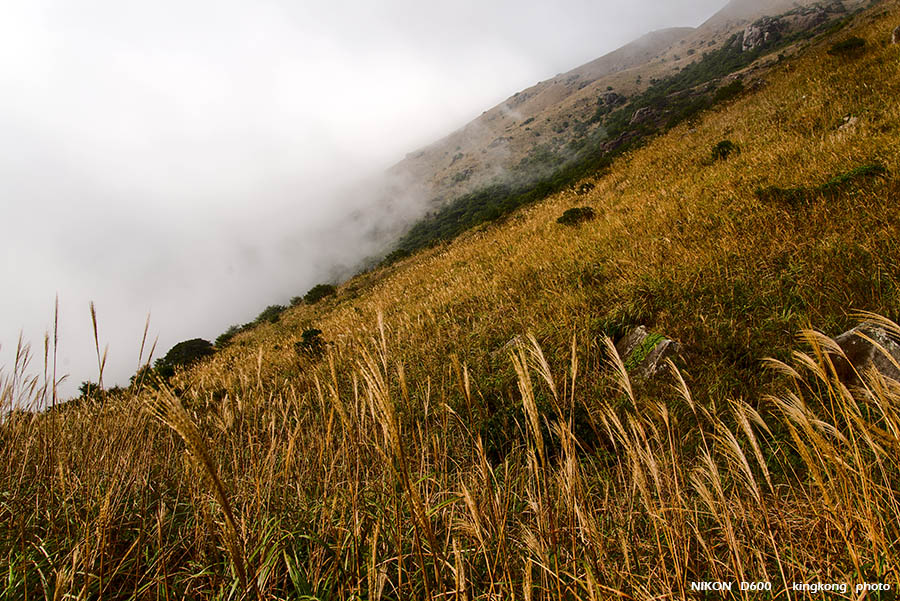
[(198, 161)]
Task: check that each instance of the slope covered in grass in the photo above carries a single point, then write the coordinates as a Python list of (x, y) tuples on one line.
[(467, 431)]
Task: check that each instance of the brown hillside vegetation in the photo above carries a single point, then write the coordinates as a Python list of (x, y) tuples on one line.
[(548, 116), (468, 431)]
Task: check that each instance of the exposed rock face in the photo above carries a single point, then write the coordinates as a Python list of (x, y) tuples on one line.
[(645, 353), (761, 32), (860, 345), (642, 115), (812, 16)]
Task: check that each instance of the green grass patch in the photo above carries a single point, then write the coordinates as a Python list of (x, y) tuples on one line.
[(801, 195)]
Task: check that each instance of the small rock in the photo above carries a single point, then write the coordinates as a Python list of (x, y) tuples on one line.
[(644, 354), (895, 37), (849, 123), (584, 188), (863, 355)]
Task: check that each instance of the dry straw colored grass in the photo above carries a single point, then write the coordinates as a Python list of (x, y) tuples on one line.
[(369, 473)]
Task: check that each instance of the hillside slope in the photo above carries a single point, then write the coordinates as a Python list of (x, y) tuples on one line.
[(460, 426), (578, 126), (546, 117)]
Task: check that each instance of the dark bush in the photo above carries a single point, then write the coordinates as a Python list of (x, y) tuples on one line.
[(584, 188), (88, 389), (576, 216), (850, 46), (501, 429), (145, 376), (311, 343), (183, 354), (729, 91), (318, 292), (272, 314), (225, 338), (723, 150)]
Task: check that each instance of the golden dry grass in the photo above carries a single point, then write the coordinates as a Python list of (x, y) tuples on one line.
[(372, 473)]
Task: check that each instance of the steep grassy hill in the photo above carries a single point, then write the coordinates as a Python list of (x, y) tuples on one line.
[(543, 119), (461, 427), (545, 138)]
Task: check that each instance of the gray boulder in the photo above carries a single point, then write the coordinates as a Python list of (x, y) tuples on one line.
[(760, 32), (645, 353), (895, 37), (862, 354)]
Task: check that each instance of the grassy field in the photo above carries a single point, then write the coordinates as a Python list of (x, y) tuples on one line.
[(469, 431)]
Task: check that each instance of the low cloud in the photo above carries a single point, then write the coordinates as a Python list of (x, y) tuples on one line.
[(201, 160)]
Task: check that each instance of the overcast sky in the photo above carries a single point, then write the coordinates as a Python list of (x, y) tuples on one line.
[(189, 159)]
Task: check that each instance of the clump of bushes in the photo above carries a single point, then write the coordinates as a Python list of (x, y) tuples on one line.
[(723, 150), (224, 338), (318, 292), (729, 91), (311, 344), (576, 216), (183, 354), (848, 47), (272, 314)]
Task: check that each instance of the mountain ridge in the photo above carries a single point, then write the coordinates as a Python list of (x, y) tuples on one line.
[(485, 149)]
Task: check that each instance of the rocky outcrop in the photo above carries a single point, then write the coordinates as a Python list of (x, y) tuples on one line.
[(645, 353), (809, 17), (761, 33), (867, 347), (803, 18), (642, 116), (895, 37)]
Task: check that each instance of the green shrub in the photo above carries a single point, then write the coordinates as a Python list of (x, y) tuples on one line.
[(272, 314), (311, 343), (576, 216), (225, 338), (88, 389), (318, 292), (850, 46), (723, 150), (729, 91), (183, 354), (145, 376)]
